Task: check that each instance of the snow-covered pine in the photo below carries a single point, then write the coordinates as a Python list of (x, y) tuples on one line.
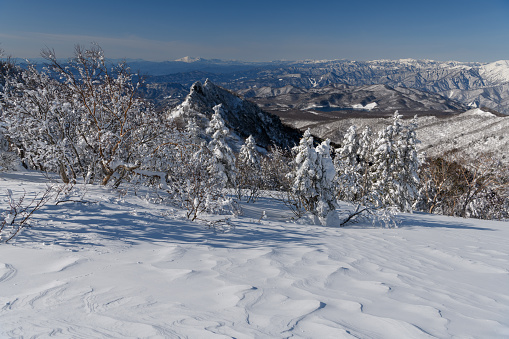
[(249, 179), (385, 164), (395, 166), (304, 173), (326, 185), (408, 171), (348, 166), (223, 158), (193, 130), (248, 154)]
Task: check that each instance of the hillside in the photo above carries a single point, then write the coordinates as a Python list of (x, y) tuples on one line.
[(120, 266), (472, 133)]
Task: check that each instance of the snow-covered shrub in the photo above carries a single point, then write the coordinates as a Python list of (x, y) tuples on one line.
[(89, 123), (275, 166), (8, 159), (179, 170), (18, 212), (455, 185)]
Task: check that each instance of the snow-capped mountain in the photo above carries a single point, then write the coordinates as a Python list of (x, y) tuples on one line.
[(243, 117), (468, 82)]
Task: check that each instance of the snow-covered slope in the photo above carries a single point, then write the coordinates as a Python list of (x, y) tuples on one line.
[(495, 72), (472, 133), (125, 268)]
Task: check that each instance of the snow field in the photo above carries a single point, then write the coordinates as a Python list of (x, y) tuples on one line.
[(123, 267)]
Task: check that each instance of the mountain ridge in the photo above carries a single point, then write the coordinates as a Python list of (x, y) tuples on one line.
[(241, 116)]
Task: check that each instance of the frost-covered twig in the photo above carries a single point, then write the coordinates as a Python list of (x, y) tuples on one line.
[(19, 213)]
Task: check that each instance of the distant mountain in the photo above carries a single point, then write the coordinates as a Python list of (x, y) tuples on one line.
[(335, 101), (479, 84), (242, 117), (471, 83)]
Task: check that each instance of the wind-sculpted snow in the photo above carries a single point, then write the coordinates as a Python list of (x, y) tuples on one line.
[(121, 266)]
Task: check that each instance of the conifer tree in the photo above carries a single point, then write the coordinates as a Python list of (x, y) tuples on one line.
[(223, 158), (325, 185), (304, 174), (249, 167), (385, 164), (348, 166), (408, 171)]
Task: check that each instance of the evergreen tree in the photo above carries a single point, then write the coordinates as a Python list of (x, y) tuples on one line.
[(223, 158), (313, 178), (348, 166), (395, 166), (325, 184), (408, 171), (249, 168), (385, 164), (304, 174)]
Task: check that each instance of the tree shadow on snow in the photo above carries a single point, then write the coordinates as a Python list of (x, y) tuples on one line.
[(77, 225), (421, 219)]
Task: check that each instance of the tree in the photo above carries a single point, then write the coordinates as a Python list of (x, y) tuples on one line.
[(249, 168), (349, 167), (407, 173), (326, 185), (223, 158), (304, 173), (395, 166), (313, 178)]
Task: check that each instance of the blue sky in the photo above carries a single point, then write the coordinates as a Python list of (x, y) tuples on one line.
[(260, 30)]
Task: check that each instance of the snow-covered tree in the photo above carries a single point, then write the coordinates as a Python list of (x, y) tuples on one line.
[(349, 167), (408, 167), (42, 123), (313, 178), (304, 174), (249, 168), (395, 164), (326, 185), (223, 158), (90, 123), (385, 158)]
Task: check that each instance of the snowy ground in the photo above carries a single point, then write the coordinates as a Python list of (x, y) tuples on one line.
[(126, 268)]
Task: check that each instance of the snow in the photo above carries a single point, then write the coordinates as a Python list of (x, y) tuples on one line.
[(368, 107), (479, 112), (496, 72), (120, 266)]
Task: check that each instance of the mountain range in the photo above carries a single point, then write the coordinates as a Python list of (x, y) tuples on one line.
[(472, 132), (470, 83)]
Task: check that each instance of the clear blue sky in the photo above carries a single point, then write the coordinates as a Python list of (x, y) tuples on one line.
[(260, 30)]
